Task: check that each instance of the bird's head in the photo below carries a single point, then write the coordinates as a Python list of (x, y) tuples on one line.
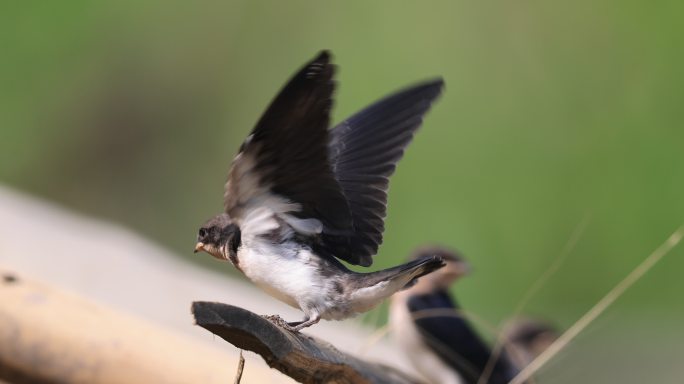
[(219, 237), (529, 338), (455, 268)]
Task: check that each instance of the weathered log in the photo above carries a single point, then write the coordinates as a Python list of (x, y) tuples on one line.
[(302, 357), (51, 336)]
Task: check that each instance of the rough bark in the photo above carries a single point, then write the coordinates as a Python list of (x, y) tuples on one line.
[(303, 358)]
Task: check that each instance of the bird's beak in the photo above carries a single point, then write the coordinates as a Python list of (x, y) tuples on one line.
[(199, 247)]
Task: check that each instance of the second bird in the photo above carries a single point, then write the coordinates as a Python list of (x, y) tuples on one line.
[(300, 196), (429, 325)]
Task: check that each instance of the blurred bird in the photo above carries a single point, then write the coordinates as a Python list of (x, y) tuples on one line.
[(526, 339), (427, 324), (301, 196)]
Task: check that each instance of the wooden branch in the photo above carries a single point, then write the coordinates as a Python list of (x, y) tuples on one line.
[(50, 336), (303, 358)]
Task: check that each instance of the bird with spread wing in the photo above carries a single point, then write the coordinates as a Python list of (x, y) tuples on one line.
[(302, 197)]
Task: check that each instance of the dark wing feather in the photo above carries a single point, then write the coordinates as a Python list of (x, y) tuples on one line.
[(286, 154), (364, 151), (453, 339)]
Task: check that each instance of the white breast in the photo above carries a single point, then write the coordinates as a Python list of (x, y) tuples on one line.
[(282, 271)]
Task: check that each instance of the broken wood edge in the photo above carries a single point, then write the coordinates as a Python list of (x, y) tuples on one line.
[(297, 355)]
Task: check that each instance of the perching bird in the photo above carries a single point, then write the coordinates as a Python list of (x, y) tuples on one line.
[(427, 324), (300, 196), (526, 339)]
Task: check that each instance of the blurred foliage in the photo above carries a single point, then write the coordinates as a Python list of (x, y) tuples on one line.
[(554, 111)]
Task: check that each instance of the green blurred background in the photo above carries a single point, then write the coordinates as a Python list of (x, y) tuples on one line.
[(554, 113)]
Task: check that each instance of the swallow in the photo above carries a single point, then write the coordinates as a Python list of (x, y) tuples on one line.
[(527, 338), (302, 197), (428, 326)]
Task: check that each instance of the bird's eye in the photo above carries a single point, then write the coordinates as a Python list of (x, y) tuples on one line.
[(202, 232)]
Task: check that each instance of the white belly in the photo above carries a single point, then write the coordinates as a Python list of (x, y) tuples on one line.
[(285, 275), (294, 276)]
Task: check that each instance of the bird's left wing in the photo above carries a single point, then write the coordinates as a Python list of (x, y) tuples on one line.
[(282, 167)]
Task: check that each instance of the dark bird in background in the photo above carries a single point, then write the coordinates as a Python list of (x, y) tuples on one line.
[(439, 341), (300, 196), (526, 339)]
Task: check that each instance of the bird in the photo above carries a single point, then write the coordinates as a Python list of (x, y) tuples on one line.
[(429, 327), (302, 198), (527, 338)]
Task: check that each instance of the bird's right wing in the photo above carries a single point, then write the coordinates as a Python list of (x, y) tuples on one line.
[(364, 150)]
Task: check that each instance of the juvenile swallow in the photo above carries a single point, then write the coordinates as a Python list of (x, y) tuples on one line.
[(300, 197), (427, 324), (527, 338)]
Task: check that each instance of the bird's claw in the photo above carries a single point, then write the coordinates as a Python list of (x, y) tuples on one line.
[(279, 321)]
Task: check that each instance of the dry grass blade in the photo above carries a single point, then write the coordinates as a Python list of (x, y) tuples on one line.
[(553, 268), (240, 368), (538, 284), (453, 312), (600, 307), (376, 336)]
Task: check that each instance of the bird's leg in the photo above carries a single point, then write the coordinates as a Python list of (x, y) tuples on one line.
[(296, 323), (294, 326), (308, 321)]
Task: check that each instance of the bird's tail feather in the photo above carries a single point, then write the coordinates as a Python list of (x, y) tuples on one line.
[(422, 267), (372, 288), (408, 272)]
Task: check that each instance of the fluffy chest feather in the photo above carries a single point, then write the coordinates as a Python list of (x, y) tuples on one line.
[(285, 271)]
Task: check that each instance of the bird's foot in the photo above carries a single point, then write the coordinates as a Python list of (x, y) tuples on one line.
[(293, 327), (279, 321)]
